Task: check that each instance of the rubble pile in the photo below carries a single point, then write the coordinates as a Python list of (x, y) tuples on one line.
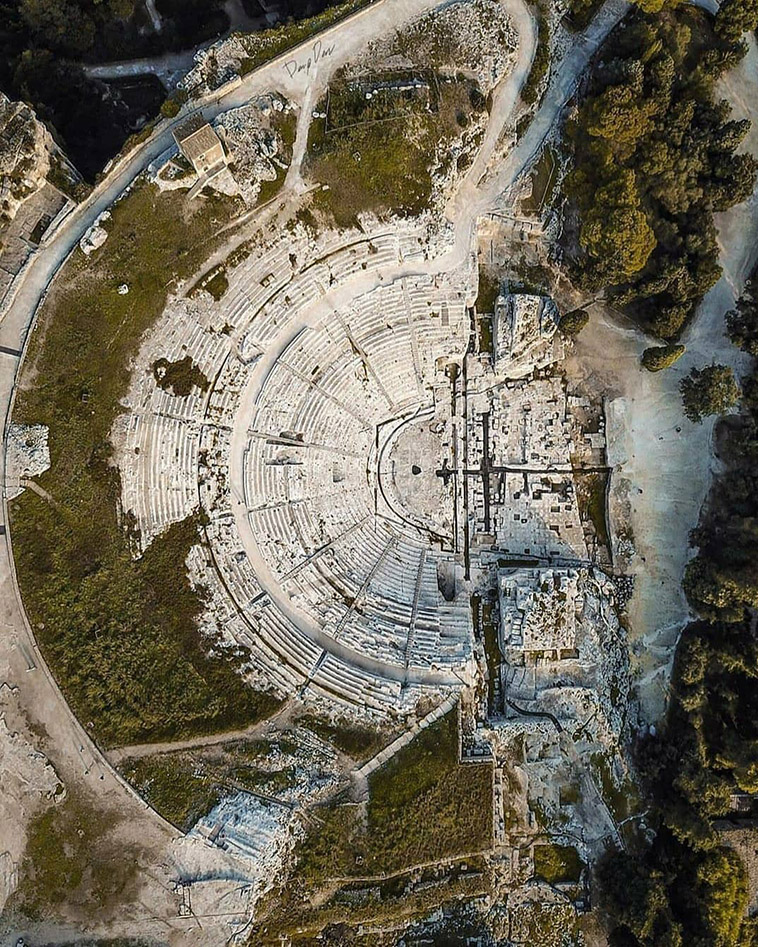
[(96, 236), (255, 147), (245, 839), (216, 65), (28, 454)]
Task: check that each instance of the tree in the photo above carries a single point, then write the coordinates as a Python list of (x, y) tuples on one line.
[(733, 179), (170, 108), (621, 113), (615, 232), (60, 24), (652, 6), (742, 325), (572, 323), (121, 9), (668, 320), (659, 357), (719, 593), (736, 17), (711, 390), (720, 893)]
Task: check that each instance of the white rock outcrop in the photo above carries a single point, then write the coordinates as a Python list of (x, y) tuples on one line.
[(26, 147), (96, 235), (28, 454)]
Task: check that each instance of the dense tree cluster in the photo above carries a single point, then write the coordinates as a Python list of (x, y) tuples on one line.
[(742, 322), (676, 897), (101, 29), (654, 156), (653, 113), (736, 17), (42, 45), (684, 888)]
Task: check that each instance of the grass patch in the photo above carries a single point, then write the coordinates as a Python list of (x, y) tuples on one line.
[(489, 629), (570, 794), (399, 900), (217, 285), (180, 377), (557, 863), (70, 863), (185, 786), (485, 335), (381, 158), (120, 635), (544, 924), (621, 800), (489, 290), (424, 807), (543, 182), (269, 189), (286, 124), (175, 788), (268, 44), (214, 282), (359, 743), (591, 500)]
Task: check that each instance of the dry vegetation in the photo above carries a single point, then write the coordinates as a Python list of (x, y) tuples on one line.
[(72, 865), (383, 154)]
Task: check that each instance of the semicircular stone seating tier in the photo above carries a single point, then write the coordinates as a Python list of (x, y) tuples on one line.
[(327, 555)]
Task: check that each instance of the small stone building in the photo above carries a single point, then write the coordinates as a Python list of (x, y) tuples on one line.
[(200, 145)]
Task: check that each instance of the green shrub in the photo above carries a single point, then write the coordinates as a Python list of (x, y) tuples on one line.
[(541, 62), (179, 377), (710, 390), (170, 108), (658, 357), (557, 863), (573, 322)]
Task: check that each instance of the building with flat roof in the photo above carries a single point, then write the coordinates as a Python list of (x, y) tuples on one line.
[(200, 145)]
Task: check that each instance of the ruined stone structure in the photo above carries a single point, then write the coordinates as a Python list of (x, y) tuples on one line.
[(524, 334)]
